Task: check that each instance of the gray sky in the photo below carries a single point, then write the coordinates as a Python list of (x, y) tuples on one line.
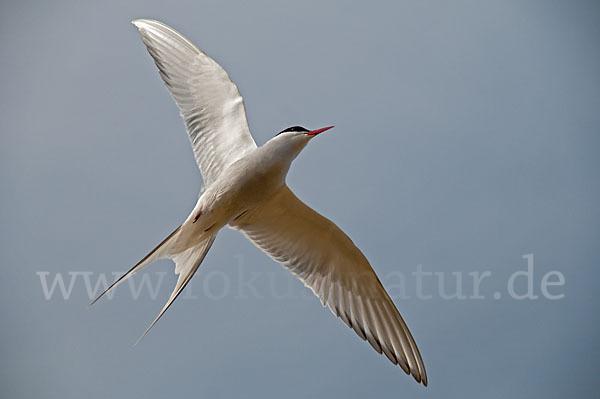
[(466, 137)]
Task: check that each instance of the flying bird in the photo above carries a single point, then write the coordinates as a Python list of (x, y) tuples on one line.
[(244, 189)]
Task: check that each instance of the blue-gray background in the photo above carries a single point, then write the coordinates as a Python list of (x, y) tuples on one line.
[(466, 136)]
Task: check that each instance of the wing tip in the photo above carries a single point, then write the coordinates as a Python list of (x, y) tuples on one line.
[(420, 377), (138, 21), (141, 22)]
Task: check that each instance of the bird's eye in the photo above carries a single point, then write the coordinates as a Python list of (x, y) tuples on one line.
[(293, 129)]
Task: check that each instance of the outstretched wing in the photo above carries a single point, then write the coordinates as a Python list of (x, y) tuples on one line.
[(327, 261), (210, 103)]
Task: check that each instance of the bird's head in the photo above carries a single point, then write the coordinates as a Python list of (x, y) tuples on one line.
[(302, 131), (289, 142)]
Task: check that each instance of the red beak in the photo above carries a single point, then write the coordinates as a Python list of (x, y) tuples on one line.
[(315, 132)]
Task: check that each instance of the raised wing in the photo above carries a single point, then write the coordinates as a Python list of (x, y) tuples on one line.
[(327, 261), (210, 103)]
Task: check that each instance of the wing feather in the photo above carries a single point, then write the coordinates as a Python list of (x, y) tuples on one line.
[(327, 261), (210, 103)]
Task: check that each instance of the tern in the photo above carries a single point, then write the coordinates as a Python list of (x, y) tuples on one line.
[(244, 188)]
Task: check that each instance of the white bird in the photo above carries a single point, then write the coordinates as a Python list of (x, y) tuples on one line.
[(244, 189)]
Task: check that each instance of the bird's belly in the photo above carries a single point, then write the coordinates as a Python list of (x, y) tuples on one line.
[(246, 184), (237, 193)]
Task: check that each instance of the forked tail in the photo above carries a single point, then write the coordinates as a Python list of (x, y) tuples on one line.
[(186, 264)]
